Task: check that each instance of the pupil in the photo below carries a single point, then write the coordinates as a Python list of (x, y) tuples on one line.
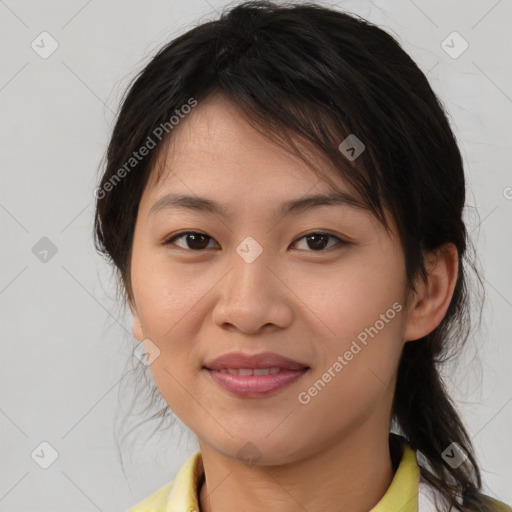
[(194, 237), (315, 239)]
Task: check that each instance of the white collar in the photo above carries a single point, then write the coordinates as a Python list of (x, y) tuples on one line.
[(429, 497)]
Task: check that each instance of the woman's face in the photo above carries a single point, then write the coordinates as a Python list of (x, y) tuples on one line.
[(253, 283)]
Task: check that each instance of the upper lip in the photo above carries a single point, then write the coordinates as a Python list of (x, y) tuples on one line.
[(263, 360)]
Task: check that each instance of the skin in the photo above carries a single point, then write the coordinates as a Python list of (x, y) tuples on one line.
[(304, 303)]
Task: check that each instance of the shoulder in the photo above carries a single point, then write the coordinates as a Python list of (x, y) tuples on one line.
[(180, 494)]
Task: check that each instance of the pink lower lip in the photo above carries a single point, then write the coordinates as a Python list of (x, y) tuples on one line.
[(253, 386)]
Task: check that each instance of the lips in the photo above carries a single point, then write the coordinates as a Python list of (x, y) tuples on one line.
[(254, 376), (239, 360)]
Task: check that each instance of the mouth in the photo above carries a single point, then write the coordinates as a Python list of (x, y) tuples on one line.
[(249, 371), (254, 376)]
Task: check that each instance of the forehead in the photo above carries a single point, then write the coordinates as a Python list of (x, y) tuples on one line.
[(215, 145)]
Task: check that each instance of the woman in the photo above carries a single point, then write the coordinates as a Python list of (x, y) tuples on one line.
[(283, 201)]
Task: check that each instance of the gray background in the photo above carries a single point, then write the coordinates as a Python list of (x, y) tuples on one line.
[(64, 341)]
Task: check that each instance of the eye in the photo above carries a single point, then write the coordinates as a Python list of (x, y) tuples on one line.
[(196, 240), (318, 240)]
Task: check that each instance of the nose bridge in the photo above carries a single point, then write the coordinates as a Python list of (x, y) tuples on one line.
[(250, 268), (250, 297)]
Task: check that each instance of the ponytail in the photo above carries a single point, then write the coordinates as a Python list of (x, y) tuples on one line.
[(427, 417)]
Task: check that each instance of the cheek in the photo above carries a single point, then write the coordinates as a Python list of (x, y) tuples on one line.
[(360, 308), (349, 297), (167, 296), (357, 365), (167, 304)]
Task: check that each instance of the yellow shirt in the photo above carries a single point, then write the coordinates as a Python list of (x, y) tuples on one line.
[(181, 494)]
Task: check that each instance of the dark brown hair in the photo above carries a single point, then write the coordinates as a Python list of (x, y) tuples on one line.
[(303, 72)]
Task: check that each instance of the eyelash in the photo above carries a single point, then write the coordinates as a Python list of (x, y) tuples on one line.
[(171, 239)]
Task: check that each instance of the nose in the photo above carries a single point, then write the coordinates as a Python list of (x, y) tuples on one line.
[(253, 296)]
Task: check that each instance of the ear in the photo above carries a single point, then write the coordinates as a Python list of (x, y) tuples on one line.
[(136, 325), (432, 299)]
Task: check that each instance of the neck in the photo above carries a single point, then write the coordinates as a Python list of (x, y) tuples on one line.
[(352, 474)]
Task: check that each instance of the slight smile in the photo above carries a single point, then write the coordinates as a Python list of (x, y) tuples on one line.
[(254, 376)]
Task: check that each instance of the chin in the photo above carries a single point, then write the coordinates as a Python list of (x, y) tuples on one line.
[(261, 451)]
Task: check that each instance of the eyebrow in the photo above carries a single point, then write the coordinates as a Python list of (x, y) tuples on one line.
[(293, 206)]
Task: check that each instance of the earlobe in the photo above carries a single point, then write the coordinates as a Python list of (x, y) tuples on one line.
[(137, 329), (430, 303)]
